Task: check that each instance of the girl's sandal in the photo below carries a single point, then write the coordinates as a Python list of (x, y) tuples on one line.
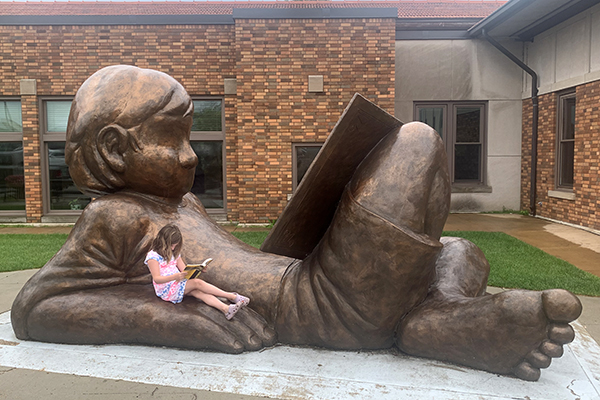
[(233, 309), (243, 301)]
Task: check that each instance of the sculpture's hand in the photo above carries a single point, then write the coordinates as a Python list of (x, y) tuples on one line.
[(133, 314)]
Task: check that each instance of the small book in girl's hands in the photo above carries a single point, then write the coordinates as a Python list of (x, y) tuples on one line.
[(194, 270)]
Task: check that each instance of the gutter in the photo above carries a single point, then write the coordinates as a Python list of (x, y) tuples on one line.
[(535, 117), (505, 12)]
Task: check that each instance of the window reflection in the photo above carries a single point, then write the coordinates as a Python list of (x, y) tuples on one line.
[(10, 116), (305, 155), (208, 182), (57, 115), (64, 195), (207, 116), (434, 117)]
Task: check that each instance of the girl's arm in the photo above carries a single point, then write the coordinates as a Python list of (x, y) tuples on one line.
[(181, 264), (154, 268)]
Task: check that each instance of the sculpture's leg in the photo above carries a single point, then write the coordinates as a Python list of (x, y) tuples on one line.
[(377, 259), (515, 332), (100, 316)]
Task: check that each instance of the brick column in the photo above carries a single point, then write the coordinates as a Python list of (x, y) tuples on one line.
[(31, 158)]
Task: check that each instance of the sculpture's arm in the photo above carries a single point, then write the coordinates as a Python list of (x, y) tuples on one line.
[(96, 289), (95, 255)]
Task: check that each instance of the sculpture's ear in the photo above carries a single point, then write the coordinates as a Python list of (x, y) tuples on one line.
[(112, 143)]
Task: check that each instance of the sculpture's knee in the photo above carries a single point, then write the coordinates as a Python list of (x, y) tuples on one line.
[(405, 179), (461, 269)]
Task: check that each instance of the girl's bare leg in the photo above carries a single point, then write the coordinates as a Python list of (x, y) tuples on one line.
[(205, 287), (210, 300)]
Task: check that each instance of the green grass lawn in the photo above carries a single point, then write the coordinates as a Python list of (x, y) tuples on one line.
[(514, 264), (20, 251), (252, 238)]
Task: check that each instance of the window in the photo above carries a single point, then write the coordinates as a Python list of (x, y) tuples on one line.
[(207, 141), (60, 192), (462, 128), (12, 176), (303, 155), (565, 152)]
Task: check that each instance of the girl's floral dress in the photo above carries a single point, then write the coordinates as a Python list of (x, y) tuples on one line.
[(169, 291)]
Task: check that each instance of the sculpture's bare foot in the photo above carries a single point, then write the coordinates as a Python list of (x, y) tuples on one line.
[(514, 332), (133, 314)]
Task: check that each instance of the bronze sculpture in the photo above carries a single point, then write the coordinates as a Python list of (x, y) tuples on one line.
[(373, 274)]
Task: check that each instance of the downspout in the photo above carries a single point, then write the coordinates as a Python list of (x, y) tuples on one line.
[(534, 128)]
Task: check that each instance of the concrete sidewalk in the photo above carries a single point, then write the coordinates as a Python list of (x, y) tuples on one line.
[(576, 246)]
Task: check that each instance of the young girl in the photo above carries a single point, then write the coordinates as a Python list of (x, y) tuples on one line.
[(169, 280)]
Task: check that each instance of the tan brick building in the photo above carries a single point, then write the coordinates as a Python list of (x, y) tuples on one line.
[(251, 63), (270, 79)]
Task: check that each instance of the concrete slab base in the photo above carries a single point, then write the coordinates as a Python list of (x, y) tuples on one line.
[(302, 373)]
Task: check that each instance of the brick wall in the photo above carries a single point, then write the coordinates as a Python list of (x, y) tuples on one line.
[(60, 58), (271, 60), (275, 109), (584, 209), (31, 159)]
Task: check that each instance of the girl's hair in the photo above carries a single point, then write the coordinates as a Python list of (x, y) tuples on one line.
[(120, 95), (167, 237)]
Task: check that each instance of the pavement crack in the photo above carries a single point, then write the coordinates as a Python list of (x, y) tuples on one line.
[(2, 372), (577, 397)]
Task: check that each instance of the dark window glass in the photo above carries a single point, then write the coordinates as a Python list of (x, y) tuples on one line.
[(569, 119), (467, 162), (468, 123), (566, 141), (12, 178), (467, 150), (434, 117), (304, 158), (64, 195), (567, 150), (208, 183), (207, 116), (10, 116)]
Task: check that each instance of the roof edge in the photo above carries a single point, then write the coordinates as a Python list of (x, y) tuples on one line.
[(503, 13), (37, 20), (315, 13)]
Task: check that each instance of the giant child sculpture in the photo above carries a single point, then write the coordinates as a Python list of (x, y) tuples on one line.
[(378, 276)]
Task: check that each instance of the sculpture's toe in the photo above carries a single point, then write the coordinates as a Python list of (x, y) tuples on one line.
[(561, 305), (527, 372), (538, 359)]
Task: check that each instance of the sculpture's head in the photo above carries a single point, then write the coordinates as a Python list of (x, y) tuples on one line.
[(129, 128)]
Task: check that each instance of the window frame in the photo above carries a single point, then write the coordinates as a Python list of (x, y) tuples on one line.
[(449, 138), (45, 137), (15, 137), (214, 136), (562, 99), (295, 159)]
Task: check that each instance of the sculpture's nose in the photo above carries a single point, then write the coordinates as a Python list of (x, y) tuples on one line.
[(187, 158)]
